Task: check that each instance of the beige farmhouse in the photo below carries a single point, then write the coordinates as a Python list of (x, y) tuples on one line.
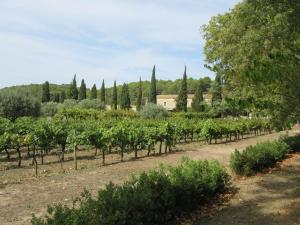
[(169, 101)]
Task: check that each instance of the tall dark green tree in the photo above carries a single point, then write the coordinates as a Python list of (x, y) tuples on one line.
[(55, 97), (139, 97), (73, 91), (93, 94), (46, 92), (216, 90), (152, 94), (198, 100), (102, 92), (62, 96), (82, 91), (125, 102), (181, 101), (114, 104)]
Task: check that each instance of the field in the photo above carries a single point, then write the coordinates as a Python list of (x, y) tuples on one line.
[(21, 194)]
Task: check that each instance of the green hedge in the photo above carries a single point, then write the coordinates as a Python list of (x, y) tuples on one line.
[(256, 158), (156, 197), (293, 142)]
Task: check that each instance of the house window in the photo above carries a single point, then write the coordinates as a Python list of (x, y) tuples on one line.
[(165, 103)]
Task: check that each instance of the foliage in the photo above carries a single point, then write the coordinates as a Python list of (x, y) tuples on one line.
[(125, 102), (115, 97), (153, 92), (156, 197), (49, 109), (91, 104), (102, 92), (257, 45), (17, 104), (46, 92), (292, 141), (93, 93), (153, 111), (198, 104), (82, 91), (139, 97), (256, 158), (181, 101), (73, 91)]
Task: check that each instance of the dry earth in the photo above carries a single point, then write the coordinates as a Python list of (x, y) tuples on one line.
[(267, 199)]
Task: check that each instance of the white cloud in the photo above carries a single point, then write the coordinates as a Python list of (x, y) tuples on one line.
[(117, 39)]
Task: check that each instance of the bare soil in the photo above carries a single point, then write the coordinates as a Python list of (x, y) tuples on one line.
[(258, 199)]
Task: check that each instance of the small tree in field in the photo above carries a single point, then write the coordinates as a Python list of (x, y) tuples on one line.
[(82, 91), (114, 104), (102, 92), (198, 101), (46, 92), (152, 94), (181, 101), (93, 94), (73, 91), (139, 97)]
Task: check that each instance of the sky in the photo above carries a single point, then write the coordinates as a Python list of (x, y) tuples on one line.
[(95, 39)]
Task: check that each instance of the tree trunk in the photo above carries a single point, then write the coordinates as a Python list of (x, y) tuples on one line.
[(34, 162), (160, 146), (75, 159), (135, 152), (122, 152), (103, 157), (42, 157), (96, 151), (19, 156)]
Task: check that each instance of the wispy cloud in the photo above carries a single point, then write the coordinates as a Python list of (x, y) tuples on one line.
[(116, 39)]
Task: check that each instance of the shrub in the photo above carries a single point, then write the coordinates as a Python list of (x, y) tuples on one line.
[(49, 109), (256, 158), (14, 104), (153, 111), (293, 142), (119, 114), (156, 197), (91, 104)]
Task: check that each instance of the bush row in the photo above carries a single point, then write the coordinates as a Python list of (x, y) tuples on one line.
[(263, 155), (156, 197)]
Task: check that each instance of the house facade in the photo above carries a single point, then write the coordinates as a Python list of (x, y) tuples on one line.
[(169, 101)]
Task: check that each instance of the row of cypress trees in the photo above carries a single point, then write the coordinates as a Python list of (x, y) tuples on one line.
[(125, 101)]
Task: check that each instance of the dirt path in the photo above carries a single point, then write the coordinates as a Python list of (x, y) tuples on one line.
[(270, 199), (19, 200)]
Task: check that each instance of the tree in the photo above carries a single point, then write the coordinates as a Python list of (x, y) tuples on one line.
[(152, 94), (125, 102), (257, 44), (82, 90), (102, 92), (73, 91), (216, 91), (55, 97), (198, 101), (62, 96), (14, 104), (114, 104), (93, 94), (46, 92), (139, 97), (181, 101)]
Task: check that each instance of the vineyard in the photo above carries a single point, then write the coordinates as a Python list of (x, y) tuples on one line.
[(69, 131)]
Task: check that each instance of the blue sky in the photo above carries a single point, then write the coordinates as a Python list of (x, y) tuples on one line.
[(112, 40)]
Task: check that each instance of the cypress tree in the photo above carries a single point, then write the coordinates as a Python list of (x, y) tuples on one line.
[(93, 94), (56, 97), (217, 90), (46, 92), (198, 101), (181, 101), (152, 94), (125, 102), (62, 96), (82, 91), (73, 92), (139, 97), (102, 92), (114, 104)]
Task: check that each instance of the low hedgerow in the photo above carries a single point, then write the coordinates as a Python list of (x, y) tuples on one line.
[(257, 158), (155, 197), (292, 141)]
